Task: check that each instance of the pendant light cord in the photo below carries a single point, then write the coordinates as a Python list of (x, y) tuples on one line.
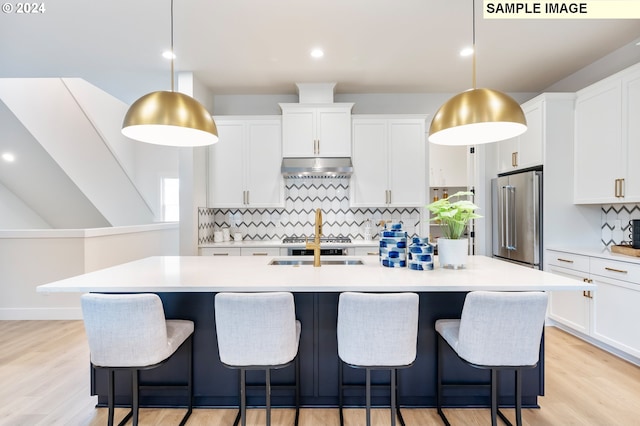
[(173, 54), (473, 43)]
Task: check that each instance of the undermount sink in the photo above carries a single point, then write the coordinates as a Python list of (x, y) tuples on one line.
[(300, 262)]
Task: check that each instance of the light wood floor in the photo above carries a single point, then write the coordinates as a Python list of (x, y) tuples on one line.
[(44, 380)]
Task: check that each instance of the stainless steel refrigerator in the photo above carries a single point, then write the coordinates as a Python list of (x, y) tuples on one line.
[(517, 221)]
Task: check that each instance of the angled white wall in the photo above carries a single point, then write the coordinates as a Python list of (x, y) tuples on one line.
[(71, 128), (38, 193), (15, 214)]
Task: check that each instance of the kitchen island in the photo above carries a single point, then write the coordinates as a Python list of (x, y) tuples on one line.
[(187, 286)]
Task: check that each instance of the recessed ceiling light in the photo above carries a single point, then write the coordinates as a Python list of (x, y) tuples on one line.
[(8, 157), (167, 54), (467, 51), (317, 53)]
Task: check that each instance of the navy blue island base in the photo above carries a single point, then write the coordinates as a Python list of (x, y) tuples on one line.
[(218, 386)]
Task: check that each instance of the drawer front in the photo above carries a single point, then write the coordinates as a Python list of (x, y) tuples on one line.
[(219, 251), (255, 251), (573, 261), (615, 269), (367, 251)]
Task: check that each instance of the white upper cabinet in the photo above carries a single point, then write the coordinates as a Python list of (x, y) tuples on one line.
[(526, 150), (607, 140), (389, 161), (316, 130), (244, 166), (448, 166), (631, 135)]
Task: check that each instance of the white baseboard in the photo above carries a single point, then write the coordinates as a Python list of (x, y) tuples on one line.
[(614, 351), (40, 314)]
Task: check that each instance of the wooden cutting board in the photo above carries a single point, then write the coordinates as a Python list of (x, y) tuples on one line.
[(628, 250)]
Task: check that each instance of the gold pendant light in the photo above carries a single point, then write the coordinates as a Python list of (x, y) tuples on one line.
[(170, 118), (477, 116)]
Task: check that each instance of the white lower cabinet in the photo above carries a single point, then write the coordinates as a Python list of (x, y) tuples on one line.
[(608, 315), (220, 251), (571, 308), (241, 251), (366, 251), (258, 251)]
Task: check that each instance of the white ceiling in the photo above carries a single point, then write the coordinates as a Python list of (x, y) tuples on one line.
[(260, 46)]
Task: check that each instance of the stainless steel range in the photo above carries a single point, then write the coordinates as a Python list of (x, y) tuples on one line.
[(326, 251)]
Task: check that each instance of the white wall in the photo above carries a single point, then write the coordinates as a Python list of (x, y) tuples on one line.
[(193, 178), (34, 257), (15, 214)]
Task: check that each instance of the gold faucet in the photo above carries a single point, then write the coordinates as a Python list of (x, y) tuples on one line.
[(315, 245)]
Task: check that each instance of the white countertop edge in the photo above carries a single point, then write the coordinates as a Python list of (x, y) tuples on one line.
[(323, 289), (85, 233)]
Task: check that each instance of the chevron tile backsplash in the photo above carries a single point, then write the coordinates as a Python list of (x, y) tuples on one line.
[(611, 234), (302, 197)]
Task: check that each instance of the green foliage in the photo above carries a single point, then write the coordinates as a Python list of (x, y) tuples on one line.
[(453, 215)]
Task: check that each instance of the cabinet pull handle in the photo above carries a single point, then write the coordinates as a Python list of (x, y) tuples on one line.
[(619, 188), (565, 260), (247, 197), (221, 254), (389, 202), (616, 270), (587, 293), (514, 159), (615, 188), (372, 253), (260, 254), (318, 147)]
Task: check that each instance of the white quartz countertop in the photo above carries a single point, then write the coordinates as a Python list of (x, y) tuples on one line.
[(248, 273)]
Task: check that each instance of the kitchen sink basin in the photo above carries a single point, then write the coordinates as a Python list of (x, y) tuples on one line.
[(301, 262)]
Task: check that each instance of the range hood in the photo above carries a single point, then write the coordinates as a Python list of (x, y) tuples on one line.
[(317, 167)]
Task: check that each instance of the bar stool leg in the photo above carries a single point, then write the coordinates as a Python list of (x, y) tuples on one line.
[(136, 396), (110, 397), (341, 385), (368, 396), (243, 397), (494, 397), (518, 397), (297, 390), (393, 397), (268, 392)]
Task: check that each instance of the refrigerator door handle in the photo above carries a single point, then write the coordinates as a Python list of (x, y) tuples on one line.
[(502, 208), (510, 214)]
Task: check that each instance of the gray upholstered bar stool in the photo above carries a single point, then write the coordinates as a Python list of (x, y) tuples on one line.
[(377, 332), (496, 331), (258, 331), (130, 332)]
